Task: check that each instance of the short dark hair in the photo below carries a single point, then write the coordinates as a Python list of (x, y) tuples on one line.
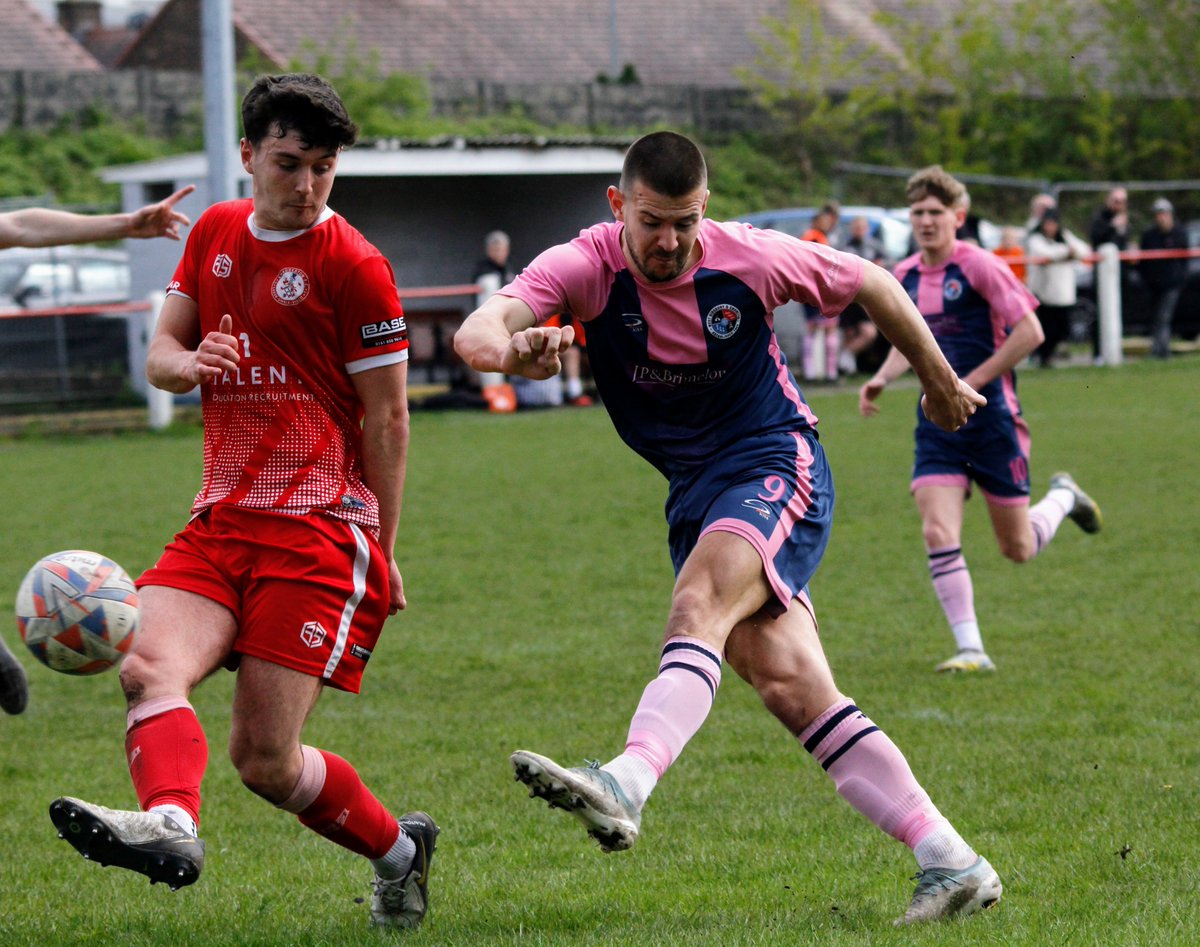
[(935, 181), (300, 102), (665, 162)]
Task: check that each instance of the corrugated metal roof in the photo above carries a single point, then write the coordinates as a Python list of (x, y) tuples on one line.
[(423, 158)]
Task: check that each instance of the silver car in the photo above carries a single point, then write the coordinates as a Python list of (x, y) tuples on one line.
[(53, 277)]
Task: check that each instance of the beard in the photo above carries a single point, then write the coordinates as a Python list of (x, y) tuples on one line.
[(675, 262)]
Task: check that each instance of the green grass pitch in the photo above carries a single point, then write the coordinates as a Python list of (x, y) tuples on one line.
[(535, 563)]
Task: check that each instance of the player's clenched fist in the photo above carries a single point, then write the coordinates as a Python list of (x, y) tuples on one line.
[(535, 352), (952, 412)]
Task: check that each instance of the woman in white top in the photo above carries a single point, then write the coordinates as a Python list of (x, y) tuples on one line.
[(1053, 282)]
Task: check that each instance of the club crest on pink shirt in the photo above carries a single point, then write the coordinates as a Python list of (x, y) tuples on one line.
[(722, 321)]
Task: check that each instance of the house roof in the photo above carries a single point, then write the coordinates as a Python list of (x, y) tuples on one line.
[(107, 43), (31, 42), (671, 42)]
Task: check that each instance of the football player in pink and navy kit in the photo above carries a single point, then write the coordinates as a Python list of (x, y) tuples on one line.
[(289, 322), (984, 321), (679, 317)]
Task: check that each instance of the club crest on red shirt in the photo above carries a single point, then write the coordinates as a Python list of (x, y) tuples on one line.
[(290, 287)]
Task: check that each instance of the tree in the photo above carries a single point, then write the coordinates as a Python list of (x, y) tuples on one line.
[(805, 76), (1097, 89)]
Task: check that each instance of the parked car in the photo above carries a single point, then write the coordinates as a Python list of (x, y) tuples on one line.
[(51, 277), (893, 234)]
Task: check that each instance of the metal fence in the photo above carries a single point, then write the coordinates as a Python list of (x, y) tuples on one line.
[(68, 357)]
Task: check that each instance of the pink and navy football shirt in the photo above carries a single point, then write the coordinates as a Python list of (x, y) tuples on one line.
[(687, 368), (970, 302)]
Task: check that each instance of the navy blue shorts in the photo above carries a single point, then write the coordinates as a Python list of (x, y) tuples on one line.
[(776, 492), (991, 449)]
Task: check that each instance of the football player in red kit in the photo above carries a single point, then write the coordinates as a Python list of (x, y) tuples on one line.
[(289, 322)]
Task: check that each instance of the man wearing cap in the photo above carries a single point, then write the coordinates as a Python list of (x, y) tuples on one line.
[(1164, 278)]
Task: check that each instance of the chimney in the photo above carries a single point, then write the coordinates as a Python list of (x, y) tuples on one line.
[(79, 17)]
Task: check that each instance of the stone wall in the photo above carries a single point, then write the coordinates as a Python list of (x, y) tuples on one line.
[(38, 101), (166, 100)]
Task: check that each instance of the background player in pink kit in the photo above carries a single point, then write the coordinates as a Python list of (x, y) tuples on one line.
[(290, 323), (678, 312), (983, 318)]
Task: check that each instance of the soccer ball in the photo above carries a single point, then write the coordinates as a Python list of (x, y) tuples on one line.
[(77, 611)]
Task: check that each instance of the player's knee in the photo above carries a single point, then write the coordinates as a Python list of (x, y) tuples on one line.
[(260, 770), (1018, 550), (136, 675), (692, 613), (795, 701), (938, 536), (779, 696)]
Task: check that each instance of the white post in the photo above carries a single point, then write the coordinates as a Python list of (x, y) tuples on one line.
[(220, 110), (1108, 303), (161, 404)]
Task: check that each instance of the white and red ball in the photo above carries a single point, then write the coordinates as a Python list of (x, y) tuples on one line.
[(77, 611)]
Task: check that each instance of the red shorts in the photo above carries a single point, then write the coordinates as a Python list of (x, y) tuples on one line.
[(308, 592)]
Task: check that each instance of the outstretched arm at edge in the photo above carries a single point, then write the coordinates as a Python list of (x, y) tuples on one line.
[(42, 227)]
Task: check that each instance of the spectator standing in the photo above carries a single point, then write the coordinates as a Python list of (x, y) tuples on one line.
[(491, 273), (1163, 278), (1012, 247), (862, 347), (816, 323), (1111, 225), (968, 230), (861, 243), (1052, 281), (1038, 205)]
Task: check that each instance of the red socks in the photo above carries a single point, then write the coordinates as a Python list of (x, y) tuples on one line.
[(167, 754), (332, 800)]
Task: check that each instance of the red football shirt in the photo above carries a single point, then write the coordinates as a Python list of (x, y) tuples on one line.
[(310, 309)]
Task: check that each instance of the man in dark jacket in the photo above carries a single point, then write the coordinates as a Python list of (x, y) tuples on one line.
[(1164, 278), (1111, 223)]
